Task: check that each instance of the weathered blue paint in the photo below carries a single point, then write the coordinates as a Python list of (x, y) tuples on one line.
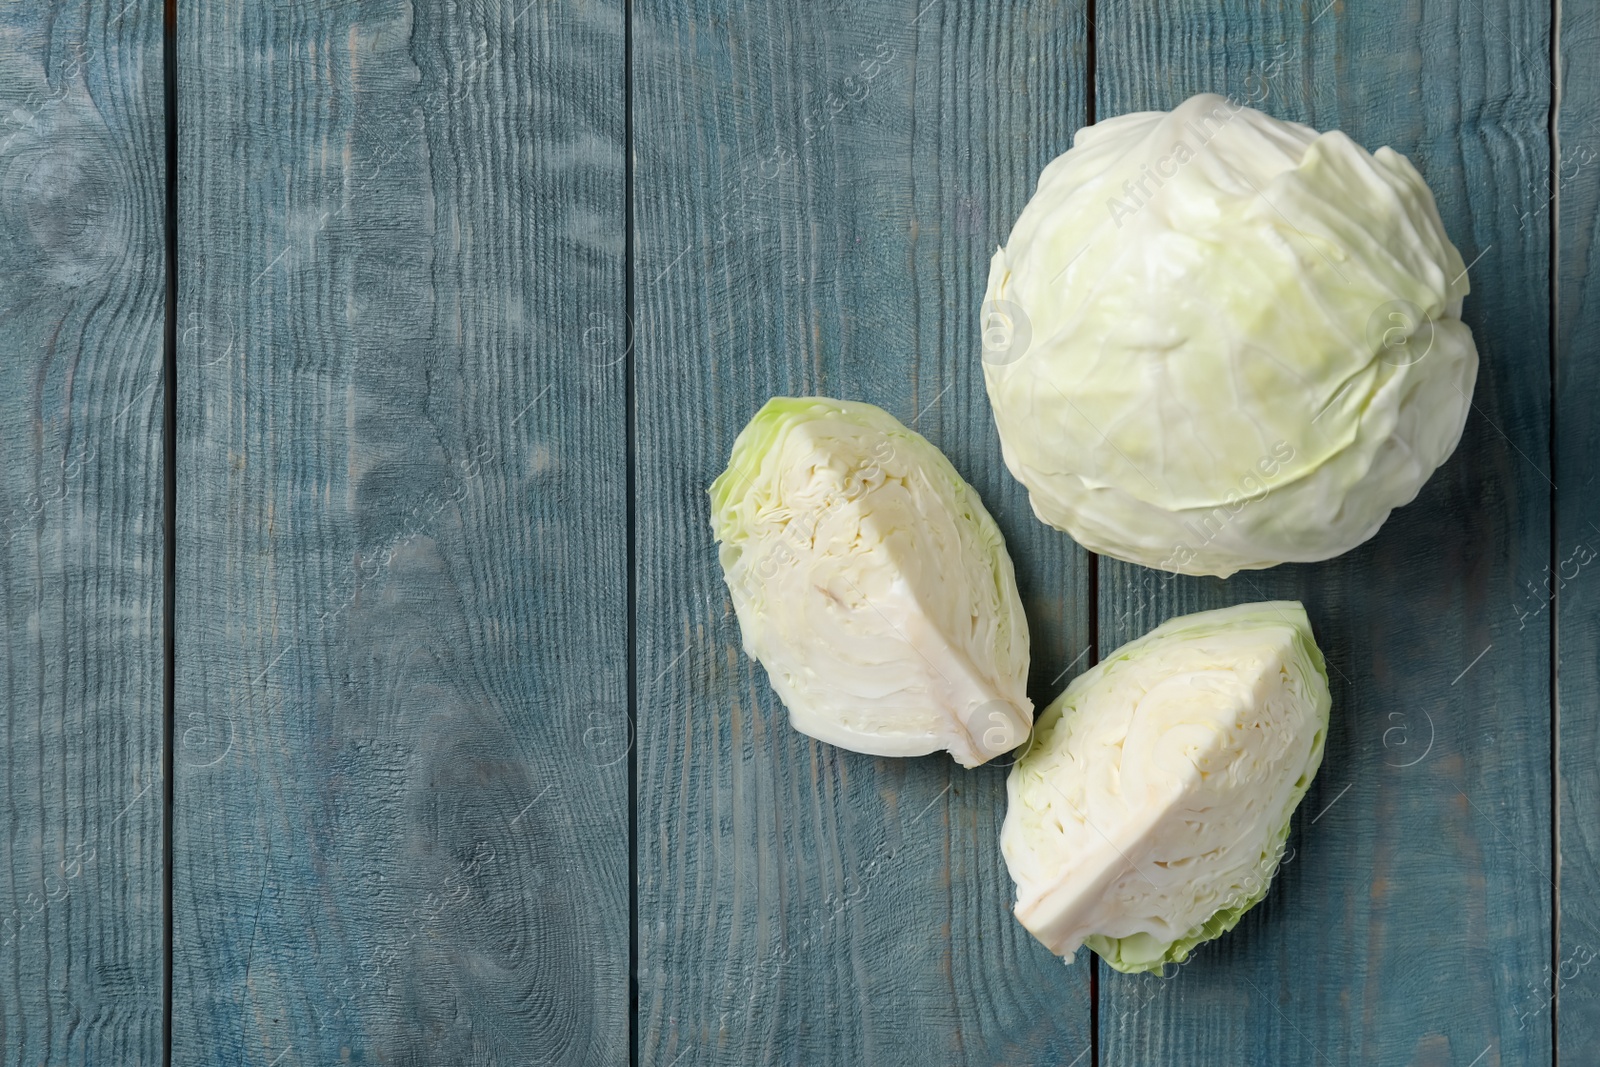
[(1413, 923), (1569, 587), (82, 549), (819, 189), (402, 774), (402, 740)]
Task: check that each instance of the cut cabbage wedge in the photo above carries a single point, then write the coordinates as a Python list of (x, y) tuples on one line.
[(1152, 808), (872, 584)]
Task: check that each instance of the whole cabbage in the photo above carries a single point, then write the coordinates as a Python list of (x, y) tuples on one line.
[(1217, 341), (871, 583), (1151, 810)]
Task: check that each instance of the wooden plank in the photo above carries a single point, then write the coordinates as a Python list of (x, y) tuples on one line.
[(1412, 925), (82, 406), (1570, 990), (819, 189), (402, 794)]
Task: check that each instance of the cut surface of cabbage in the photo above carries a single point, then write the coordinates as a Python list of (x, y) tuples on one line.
[(1217, 341), (1152, 807), (871, 583)]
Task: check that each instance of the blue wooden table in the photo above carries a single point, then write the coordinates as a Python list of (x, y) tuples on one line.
[(370, 690)]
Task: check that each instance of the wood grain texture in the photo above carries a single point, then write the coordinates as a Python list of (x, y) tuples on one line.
[(1412, 924), (82, 403), (401, 814), (1570, 989), (818, 190)]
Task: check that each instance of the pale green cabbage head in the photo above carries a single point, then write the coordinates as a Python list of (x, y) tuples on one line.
[(1151, 810), (1217, 341), (871, 583)]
